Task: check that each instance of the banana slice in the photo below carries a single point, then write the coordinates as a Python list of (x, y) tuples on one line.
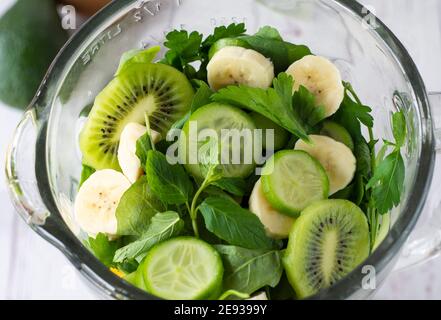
[(337, 159), (237, 65), (322, 78), (277, 225), (259, 296), (97, 200), (128, 161)]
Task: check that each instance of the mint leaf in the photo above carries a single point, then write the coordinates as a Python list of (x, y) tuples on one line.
[(274, 103), (249, 270), (136, 208), (137, 56), (85, 174), (235, 186), (231, 31), (163, 226), (306, 107), (399, 128), (387, 183), (143, 146), (238, 226), (169, 183), (103, 248)]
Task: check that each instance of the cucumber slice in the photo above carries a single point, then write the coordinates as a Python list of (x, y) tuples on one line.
[(227, 42), (281, 136), (183, 268), (218, 117), (292, 180), (338, 133)]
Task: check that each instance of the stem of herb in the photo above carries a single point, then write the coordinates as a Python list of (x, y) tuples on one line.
[(147, 124), (238, 294), (193, 210)]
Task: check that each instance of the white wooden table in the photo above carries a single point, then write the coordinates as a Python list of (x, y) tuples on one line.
[(30, 268)]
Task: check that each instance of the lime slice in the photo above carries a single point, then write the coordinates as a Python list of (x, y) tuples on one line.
[(183, 268), (292, 180)]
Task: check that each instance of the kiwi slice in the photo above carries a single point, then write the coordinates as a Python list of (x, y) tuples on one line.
[(160, 91), (328, 240)]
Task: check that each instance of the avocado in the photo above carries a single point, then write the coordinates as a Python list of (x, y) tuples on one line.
[(30, 37)]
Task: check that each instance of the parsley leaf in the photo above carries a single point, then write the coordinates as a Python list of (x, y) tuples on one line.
[(306, 107), (231, 31), (184, 48), (399, 128), (388, 182), (274, 103)]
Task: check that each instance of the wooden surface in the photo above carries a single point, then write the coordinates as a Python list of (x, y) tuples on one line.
[(30, 268)]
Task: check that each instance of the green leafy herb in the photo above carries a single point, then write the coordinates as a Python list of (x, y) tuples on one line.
[(268, 42), (85, 174), (306, 107), (351, 113), (137, 56), (200, 99), (163, 226), (222, 32), (234, 224), (274, 103), (184, 48), (235, 186), (103, 248), (249, 270), (170, 183), (388, 182), (143, 146), (136, 208), (399, 128)]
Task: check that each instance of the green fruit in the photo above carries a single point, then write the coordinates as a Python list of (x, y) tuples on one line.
[(293, 180), (30, 38), (218, 117), (281, 136), (327, 241), (183, 268), (227, 42), (338, 133), (158, 90)]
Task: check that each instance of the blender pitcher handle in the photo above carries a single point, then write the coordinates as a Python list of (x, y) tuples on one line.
[(425, 241), (20, 171)]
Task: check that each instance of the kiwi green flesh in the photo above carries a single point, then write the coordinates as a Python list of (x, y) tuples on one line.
[(160, 91), (328, 240), (217, 116), (281, 136)]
